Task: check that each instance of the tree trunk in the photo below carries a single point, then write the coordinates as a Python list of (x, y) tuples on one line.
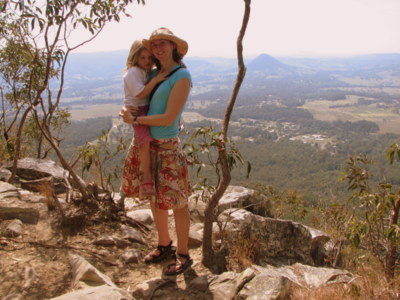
[(18, 145), (81, 185), (210, 258)]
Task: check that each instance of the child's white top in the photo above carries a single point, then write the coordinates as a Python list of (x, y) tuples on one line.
[(135, 79)]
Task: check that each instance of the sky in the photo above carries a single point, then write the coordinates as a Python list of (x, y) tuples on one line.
[(276, 27)]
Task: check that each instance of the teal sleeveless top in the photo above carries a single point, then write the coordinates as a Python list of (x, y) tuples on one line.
[(158, 103)]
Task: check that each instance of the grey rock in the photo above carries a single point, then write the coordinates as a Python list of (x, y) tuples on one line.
[(133, 235), (33, 168), (131, 256), (319, 240), (121, 242), (4, 174), (249, 199), (13, 229), (29, 169), (307, 276), (195, 239), (196, 207), (265, 287), (278, 241), (141, 215), (228, 284), (103, 292), (7, 191), (105, 240), (199, 283), (146, 289), (83, 273)]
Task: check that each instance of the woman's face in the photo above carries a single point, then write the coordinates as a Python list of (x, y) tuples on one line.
[(162, 49), (145, 60)]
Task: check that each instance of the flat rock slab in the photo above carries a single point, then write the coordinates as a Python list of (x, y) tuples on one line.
[(26, 215)]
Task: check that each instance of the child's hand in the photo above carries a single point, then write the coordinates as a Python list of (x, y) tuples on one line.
[(134, 110), (126, 115), (161, 76)]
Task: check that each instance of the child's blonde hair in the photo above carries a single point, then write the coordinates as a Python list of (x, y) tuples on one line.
[(134, 53)]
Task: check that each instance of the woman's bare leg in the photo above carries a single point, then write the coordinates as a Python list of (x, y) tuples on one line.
[(182, 225), (161, 220)]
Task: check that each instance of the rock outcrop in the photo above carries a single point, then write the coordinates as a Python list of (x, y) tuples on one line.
[(289, 252)]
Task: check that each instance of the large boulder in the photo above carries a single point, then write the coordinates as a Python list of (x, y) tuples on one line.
[(36, 170), (249, 199), (272, 283), (277, 241)]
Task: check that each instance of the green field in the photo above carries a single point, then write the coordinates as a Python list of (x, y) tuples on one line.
[(385, 117)]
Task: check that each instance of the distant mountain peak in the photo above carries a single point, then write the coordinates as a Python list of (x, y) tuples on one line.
[(265, 62)]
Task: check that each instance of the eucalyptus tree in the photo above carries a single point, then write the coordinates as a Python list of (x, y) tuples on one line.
[(37, 37), (212, 148)]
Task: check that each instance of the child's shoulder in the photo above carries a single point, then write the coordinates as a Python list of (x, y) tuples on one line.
[(135, 71)]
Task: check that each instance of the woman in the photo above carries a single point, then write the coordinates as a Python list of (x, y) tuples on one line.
[(168, 160)]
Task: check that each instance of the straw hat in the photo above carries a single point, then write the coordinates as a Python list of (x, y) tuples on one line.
[(166, 34)]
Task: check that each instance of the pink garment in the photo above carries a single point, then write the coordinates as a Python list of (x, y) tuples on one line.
[(142, 132)]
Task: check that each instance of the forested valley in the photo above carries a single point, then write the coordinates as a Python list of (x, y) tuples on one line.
[(278, 158), (282, 122)]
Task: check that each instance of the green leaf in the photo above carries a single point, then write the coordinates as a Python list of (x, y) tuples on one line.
[(356, 240)]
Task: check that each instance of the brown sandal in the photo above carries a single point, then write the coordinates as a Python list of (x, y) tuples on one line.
[(164, 252), (179, 266)]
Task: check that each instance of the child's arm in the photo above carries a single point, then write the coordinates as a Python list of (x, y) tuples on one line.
[(151, 84)]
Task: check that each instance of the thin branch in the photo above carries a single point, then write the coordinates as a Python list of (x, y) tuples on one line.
[(241, 71)]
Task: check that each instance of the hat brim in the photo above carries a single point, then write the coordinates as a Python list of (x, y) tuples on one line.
[(182, 45)]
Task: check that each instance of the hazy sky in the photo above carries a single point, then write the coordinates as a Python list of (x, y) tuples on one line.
[(276, 27)]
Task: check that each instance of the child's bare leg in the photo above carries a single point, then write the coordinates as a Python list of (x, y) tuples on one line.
[(144, 157)]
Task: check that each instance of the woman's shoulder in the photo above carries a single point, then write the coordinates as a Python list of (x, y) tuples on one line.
[(183, 72)]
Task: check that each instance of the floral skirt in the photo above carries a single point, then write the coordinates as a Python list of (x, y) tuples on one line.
[(169, 170)]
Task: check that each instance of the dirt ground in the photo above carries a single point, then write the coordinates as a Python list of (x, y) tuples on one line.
[(36, 263)]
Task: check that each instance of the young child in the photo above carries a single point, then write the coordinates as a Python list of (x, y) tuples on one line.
[(138, 66)]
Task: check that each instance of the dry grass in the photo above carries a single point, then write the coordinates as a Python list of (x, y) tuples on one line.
[(363, 288), (331, 292), (243, 253)]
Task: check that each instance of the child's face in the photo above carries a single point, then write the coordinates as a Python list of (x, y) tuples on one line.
[(145, 61)]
